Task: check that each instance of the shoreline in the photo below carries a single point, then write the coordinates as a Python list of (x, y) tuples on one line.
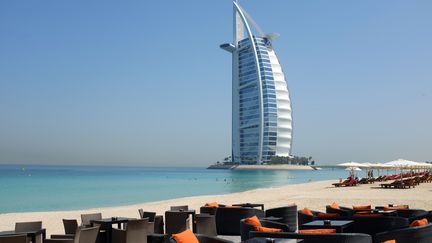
[(314, 195)]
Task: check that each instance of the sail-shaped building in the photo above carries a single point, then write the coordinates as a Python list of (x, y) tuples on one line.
[(261, 106)]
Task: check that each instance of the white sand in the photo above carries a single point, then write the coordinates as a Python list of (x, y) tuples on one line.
[(314, 195)]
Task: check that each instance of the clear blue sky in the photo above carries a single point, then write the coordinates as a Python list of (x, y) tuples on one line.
[(145, 83)]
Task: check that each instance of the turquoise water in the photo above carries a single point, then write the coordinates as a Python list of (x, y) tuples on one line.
[(49, 188)]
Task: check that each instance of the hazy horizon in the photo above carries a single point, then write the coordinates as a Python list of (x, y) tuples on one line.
[(145, 83)]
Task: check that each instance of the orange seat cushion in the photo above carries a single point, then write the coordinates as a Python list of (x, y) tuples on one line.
[(396, 207), (362, 207), (265, 229), (419, 222), (368, 214), (186, 236), (328, 215), (389, 241), (212, 204), (317, 231), (307, 211), (334, 205), (253, 221)]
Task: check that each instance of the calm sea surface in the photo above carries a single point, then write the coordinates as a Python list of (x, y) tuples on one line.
[(49, 188)]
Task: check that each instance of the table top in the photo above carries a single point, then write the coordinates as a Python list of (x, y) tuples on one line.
[(332, 223), (113, 220), (276, 240), (13, 232)]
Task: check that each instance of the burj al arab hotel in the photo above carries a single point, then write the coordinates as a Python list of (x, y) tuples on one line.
[(261, 106)]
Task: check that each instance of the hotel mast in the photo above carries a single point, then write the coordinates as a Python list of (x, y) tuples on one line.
[(261, 106)]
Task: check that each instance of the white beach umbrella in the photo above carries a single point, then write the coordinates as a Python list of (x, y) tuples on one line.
[(353, 164), (402, 163)]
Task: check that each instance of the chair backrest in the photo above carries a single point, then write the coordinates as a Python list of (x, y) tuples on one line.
[(70, 226), (420, 234), (228, 219), (176, 222), (86, 235), (287, 213), (85, 218), (150, 215), (13, 239), (178, 208), (317, 238), (28, 226), (137, 231), (206, 224)]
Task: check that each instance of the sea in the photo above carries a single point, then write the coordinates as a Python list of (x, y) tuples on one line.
[(51, 188)]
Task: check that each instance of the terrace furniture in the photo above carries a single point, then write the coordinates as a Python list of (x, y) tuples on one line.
[(374, 224), (351, 182), (107, 225), (135, 232), (340, 226), (317, 238), (420, 234), (161, 238), (13, 238), (246, 228), (83, 235), (228, 219), (206, 224), (287, 213), (156, 219), (70, 227), (35, 228), (176, 222), (276, 240)]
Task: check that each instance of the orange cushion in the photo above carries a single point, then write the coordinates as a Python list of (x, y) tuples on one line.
[(335, 205), (419, 222), (328, 215), (389, 241), (253, 221), (317, 231), (362, 207), (186, 236), (307, 211), (397, 207), (212, 204), (368, 214), (265, 229)]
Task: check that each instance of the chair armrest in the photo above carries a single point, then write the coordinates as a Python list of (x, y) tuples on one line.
[(66, 236), (277, 225), (58, 241)]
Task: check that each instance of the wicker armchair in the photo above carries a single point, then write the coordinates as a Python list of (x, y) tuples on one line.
[(287, 213), (228, 219)]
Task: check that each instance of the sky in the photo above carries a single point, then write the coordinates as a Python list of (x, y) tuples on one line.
[(145, 83)]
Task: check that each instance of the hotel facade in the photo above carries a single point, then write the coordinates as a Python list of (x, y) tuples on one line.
[(261, 106)]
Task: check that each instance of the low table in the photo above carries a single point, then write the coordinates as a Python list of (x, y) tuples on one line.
[(276, 240), (339, 225), (250, 205), (31, 234)]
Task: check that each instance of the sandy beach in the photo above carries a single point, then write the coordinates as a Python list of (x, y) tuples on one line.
[(314, 195)]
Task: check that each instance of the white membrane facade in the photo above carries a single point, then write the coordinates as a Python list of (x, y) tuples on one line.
[(261, 106)]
